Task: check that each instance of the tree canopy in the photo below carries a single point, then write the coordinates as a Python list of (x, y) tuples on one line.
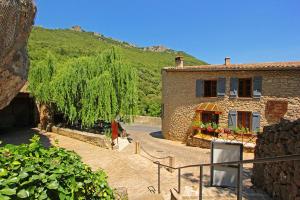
[(87, 88)]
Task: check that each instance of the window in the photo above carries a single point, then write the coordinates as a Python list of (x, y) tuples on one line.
[(244, 120), (210, 88), (210, 117), (245, 85)]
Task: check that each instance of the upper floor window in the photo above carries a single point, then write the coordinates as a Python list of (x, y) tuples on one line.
[(210, 88), (245, 87)]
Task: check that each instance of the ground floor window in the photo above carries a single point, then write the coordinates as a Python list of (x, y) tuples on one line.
[(210, 117), (244, 120)]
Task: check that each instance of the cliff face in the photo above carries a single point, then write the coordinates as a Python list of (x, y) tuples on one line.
[(16, 20)]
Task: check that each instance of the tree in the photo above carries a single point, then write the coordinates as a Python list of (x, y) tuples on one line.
[(87, 89)]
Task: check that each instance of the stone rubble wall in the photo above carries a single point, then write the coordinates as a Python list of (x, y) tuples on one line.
[(16, 20), (94, 139), (280, 180)]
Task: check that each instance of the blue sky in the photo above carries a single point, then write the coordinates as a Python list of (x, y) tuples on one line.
[(246, 30)]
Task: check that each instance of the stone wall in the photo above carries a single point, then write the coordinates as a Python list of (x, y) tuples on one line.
[(95, 139), (281, 180), (147, 120), (180, 102)]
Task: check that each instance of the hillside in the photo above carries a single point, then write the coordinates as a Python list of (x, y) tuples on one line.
[(66, 44)]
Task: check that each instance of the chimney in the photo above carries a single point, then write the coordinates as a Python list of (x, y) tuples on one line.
[(179, 61), (227, 61)]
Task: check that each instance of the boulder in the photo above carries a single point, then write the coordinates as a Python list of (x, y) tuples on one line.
[(16, 20)]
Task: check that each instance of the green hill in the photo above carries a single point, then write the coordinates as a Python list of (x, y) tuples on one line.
[(66, 44)]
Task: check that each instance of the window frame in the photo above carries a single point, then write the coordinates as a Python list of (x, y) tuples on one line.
[(216, 88), (210, 113), (244, 88), (243, 119)]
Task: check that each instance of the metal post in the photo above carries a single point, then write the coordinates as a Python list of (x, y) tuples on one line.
[(179, 174), (200, 182), (240, 182), (158, 179), (137, 147), (171, 163)]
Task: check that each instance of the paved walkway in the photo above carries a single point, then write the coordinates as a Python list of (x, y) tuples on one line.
[(137, 172)]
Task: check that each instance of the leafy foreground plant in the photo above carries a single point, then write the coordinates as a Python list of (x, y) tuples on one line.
[(30, 171)]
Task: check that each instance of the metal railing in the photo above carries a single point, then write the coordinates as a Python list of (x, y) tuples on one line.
[(239, 175)]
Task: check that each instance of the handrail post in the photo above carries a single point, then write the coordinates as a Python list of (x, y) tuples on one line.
[(200, 182), (171, 163), (179, 174), (158, 179), (240, 182)]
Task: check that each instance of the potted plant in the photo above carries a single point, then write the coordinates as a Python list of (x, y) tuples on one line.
[(227, 130), (237, 130), (196, 124), (220, 130), (209, 128), (202, 126)]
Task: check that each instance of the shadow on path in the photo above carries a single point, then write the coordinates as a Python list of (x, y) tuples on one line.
[(157, 134), (18, 136)]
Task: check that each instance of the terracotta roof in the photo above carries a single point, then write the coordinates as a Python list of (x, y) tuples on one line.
[(236, 67), (209, 107)]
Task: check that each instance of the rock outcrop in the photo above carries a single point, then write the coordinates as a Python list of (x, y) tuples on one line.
[(159, 48), (16, 20), (281, 179)]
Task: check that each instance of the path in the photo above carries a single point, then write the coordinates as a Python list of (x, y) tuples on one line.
[(135, 172)]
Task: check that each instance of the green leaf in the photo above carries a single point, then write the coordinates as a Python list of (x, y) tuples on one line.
[(23, 175), (2, 197), (16, 163), (23, 194), (3, 172), (8, 191), (43, 195), (12, 180), (53, 185)]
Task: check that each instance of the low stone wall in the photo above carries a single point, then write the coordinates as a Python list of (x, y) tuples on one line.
[(95, 139), (206, 143), (147, 120), (280, 180), (199, 142)]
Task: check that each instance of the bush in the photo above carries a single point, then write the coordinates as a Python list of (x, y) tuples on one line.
[(30, 171)]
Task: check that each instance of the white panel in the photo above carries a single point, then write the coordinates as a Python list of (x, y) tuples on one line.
[(225, 176), (225, 152)]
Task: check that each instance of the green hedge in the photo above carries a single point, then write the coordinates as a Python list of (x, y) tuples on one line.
[(30, 171)]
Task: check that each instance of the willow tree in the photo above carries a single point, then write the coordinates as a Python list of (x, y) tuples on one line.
[(88, 88)]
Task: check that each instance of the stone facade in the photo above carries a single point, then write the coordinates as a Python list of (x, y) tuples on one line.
[(282, 179), (179, 100)]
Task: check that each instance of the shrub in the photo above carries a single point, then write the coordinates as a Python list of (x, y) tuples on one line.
[(30, 171)]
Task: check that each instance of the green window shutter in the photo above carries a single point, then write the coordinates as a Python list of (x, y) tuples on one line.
[(234, 82), (232, 119), (255, 121), (257, 86), (221, 87), (199, 88)]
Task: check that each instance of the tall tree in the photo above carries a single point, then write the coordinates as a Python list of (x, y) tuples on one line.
[(87, 88)]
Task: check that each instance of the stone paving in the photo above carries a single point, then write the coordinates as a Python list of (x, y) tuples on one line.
[(137, 172)]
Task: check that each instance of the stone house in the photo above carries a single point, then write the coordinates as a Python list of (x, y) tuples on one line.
[(231, 95)]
